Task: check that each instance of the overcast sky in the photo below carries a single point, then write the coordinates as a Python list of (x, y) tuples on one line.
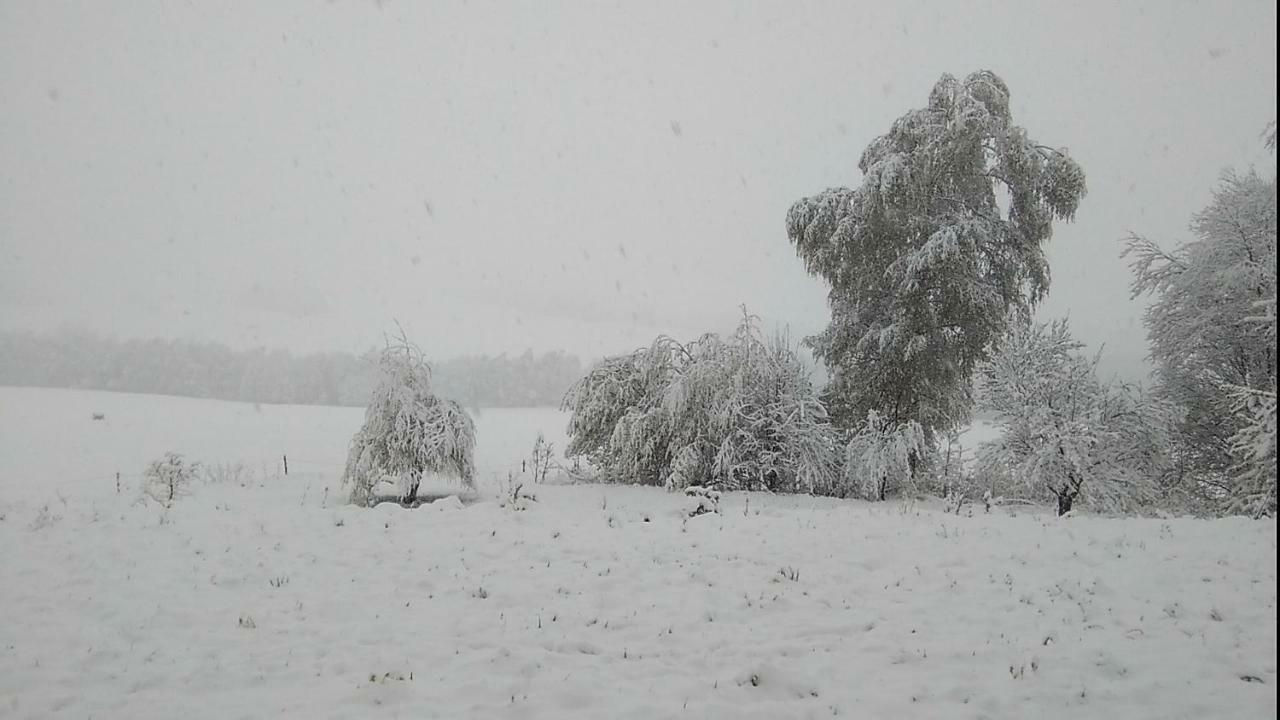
[(556, 174)]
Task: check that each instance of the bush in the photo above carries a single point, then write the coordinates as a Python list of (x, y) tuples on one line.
[(882, 456), (700, 501), (168, 477), (736, 412)]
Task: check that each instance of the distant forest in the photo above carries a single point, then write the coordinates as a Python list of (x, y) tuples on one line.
[(83, 360)]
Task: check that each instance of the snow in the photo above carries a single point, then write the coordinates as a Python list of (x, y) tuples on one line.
[(269, 598)]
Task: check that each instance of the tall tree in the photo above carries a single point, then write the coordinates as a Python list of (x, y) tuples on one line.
[(933, 255), (1210, 351)]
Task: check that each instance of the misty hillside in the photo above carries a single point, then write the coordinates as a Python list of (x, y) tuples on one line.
[(211, 370)]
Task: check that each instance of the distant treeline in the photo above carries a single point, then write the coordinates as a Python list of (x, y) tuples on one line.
[(210, 370)]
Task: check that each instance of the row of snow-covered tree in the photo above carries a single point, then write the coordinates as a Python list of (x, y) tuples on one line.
[(84, 360), (935, 265)]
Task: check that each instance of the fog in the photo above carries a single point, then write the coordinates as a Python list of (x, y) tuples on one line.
[(569, 176)]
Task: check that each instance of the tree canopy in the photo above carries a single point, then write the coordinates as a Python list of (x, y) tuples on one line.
[(933, 254)]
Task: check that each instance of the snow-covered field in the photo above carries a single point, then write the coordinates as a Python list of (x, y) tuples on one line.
[(266, 596)]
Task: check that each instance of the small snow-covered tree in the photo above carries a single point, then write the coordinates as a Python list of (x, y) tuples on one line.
[(776, 434), (615, 420), (408, 430), (540, 458), (1065, 431), (737, 411), (882, 456), (169, 477), (933, 254)]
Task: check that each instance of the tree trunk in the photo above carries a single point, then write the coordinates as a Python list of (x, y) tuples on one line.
[(411, 495), (1064, 502)]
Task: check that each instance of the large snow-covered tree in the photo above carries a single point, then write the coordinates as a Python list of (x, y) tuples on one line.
[(408, 430), (1064, 431), (933, 254), (1212, 356), (737, 412)]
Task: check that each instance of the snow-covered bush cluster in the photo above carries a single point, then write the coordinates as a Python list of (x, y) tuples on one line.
[(740, 413), (408, 430), (737, 412)]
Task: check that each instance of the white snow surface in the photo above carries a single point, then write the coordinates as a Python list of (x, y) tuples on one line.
[(265, 596)]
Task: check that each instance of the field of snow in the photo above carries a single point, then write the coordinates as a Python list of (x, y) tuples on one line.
[(261, 595)]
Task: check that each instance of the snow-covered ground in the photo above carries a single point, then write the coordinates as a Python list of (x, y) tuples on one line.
[(265, 596)]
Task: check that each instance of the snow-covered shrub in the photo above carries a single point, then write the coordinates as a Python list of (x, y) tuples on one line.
[(514, 495), (1253, 491), (776, 432), (701, 500), (228, 474), (883, 457), (168, 477), (992, 478), (540, 458), (1253, 446), (615, 405), (408, 430), (1067, 433), (738, 412), (44, 518), (952, 476)]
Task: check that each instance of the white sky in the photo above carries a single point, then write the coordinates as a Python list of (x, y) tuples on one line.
[(556, 175)]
